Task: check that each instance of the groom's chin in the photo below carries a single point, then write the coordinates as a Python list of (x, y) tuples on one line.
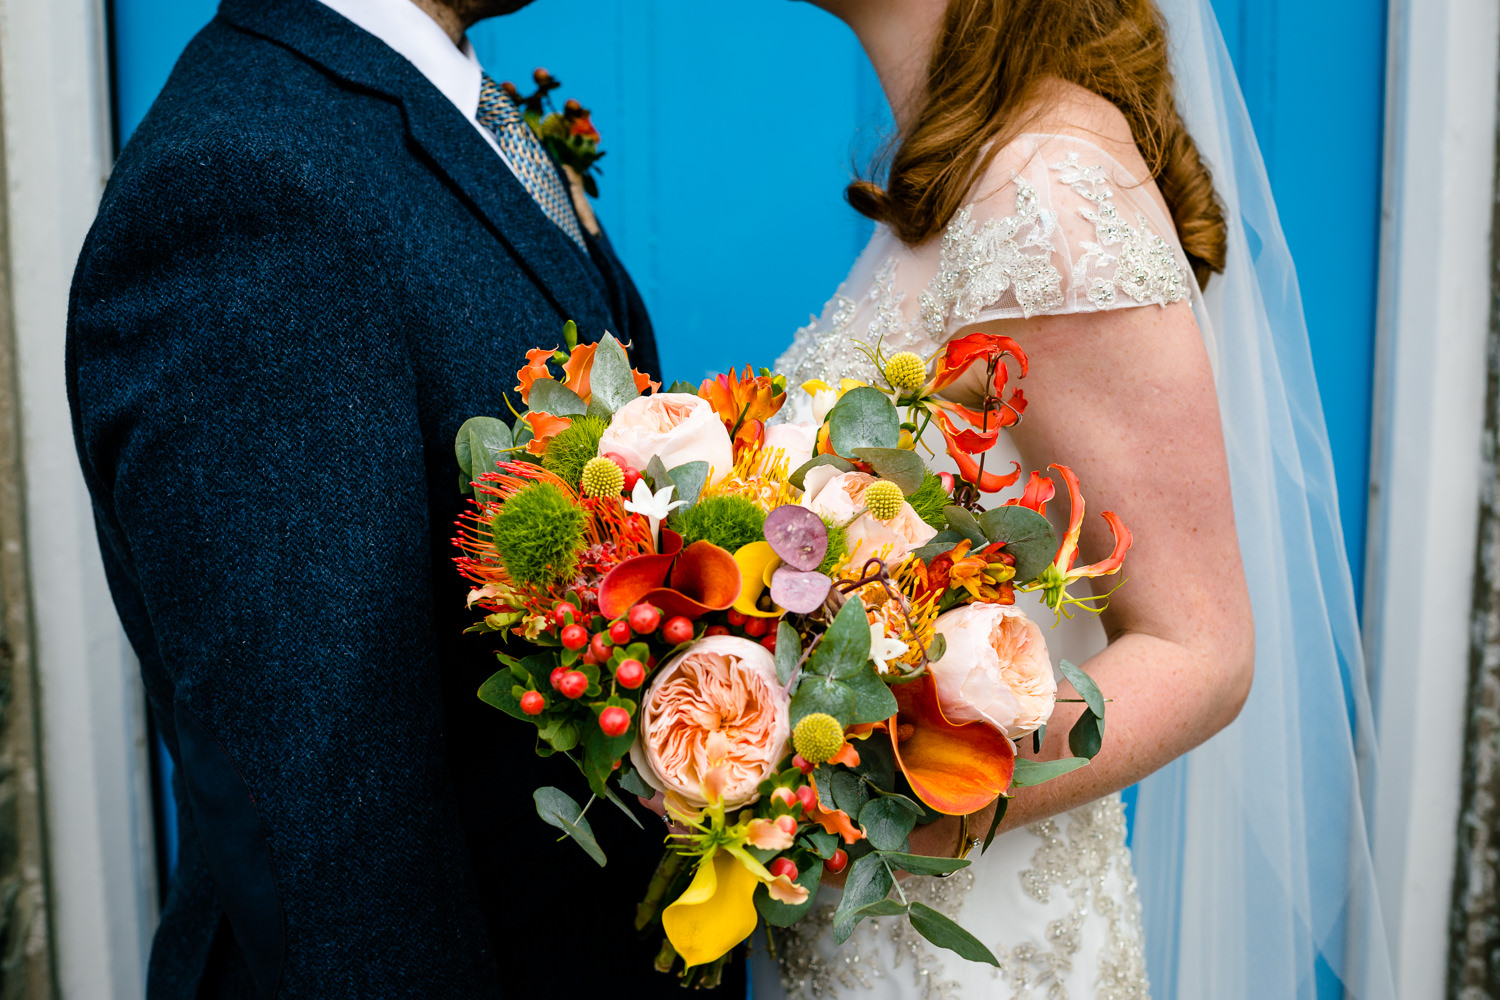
[(471, 11)]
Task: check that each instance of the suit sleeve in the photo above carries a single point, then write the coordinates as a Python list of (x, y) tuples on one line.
[(249, 422)]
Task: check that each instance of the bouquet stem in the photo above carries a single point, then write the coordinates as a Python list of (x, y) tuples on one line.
[(667, 957), (667, 873)]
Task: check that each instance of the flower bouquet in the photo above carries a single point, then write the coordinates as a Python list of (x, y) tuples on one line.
[(801, 639)]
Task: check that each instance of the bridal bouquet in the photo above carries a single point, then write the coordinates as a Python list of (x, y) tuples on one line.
[(800, 637)]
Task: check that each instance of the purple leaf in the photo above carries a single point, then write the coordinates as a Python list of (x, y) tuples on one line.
[(798, 536), (800, 593)]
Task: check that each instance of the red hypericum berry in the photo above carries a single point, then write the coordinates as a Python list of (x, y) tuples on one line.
[(556, 678), (532, 703), (716, 630), (786, 825), (614, 720), (574, 636), (837, 863), (618, 459), (801, 764), (677, 630), (737, 618), (589, 657), (785, 796), (616, 765), (573, 684), (769, 641), (807, 797), (619, 633), (783, 866), (601, 647), (643, 619), (563, 609), (631, 674), (631, 478), (757, 627), (946, 478)]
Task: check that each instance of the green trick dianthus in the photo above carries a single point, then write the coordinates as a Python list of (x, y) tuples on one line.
[(930, 501), (571, 449), (729, 522), (538, 534)]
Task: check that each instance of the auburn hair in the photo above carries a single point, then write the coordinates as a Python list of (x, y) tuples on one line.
[(983, 83)]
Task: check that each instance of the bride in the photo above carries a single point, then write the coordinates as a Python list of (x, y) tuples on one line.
[(1045, 187)]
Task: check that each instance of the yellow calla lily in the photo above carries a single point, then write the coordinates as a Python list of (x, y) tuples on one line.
[(716, 912), (757, 562)]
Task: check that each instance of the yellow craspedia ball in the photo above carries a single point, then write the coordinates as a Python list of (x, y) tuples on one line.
[(905, 372), (818, 737), (602, 478), (884, 499)]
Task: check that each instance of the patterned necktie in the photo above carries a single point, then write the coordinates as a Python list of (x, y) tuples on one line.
[(529, 160)]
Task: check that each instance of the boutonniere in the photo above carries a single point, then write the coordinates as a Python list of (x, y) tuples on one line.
[(568, 136)]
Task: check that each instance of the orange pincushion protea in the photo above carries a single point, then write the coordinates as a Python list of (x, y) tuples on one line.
[(611, 535)]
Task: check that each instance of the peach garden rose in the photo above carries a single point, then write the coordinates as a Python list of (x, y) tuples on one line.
[(715, 722), (674, 426), (839, 497), (996, 669)]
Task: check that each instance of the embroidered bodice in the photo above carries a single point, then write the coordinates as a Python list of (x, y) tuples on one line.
[(1056, 227)]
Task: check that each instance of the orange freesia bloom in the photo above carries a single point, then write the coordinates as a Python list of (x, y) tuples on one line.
[(744, 404), (955, 769), (1056, 578), (544, 427)]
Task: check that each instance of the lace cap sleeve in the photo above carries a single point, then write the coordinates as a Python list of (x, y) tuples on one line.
[(1057, 227)]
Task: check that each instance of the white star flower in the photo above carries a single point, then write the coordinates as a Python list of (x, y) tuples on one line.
[(653, 506), (883, 649)]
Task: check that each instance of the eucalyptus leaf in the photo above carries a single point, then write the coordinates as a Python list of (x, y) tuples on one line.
[(921, 864), (1030, 773), (822, 694), (799, 475), (656, 472), (845, 649), (1002, 805), (869, 882), (557, 808), (551, 396), (633, 783), (963, 522), (610, 380), (883, 908), (1086, 738), (788, 651), (863, 418), (902, 467), (942, 542), (1028, 536), (683, 387), (849, 793), (877, 762), (944, 933), (609, 793), (779, 914), (690, 478), (478, 447), (1084, 685), (823, 843), (887, 824), (873, 700)]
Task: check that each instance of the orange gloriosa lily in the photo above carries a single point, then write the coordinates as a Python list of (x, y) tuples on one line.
[(576, 369), (744, 404), (1056, 578), (985, 424), (957, 769)]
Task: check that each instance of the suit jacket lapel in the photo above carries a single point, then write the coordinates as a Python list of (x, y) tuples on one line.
[(453, 147)]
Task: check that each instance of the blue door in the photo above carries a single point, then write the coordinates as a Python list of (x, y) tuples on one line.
[(732, 130)]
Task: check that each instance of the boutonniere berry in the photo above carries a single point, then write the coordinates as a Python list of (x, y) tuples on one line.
[(569, 136)]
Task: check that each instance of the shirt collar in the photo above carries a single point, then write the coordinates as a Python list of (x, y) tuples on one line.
[(406, 28)]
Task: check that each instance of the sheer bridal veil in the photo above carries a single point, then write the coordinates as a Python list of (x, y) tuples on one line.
[(1253, 851)]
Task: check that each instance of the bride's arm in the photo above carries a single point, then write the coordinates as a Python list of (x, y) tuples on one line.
[(1126, 398)]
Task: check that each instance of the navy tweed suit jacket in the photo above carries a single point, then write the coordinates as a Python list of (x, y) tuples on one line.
[(308, 269)]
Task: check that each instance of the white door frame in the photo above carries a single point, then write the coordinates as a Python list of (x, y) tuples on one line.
[(95, 760), (1426, 456)]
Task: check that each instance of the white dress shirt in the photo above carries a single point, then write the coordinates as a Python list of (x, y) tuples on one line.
[(452, 69)]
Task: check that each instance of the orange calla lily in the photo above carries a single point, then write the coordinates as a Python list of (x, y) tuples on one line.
[(957, 769), (688, 581)]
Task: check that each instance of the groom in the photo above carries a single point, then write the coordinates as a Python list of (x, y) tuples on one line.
[(329, 243)]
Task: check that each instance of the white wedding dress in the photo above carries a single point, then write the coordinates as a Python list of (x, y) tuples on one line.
[(1057, 226)]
